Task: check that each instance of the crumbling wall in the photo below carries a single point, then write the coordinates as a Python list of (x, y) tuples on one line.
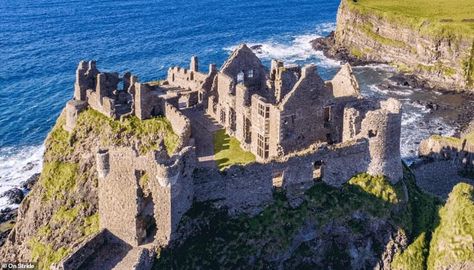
[(118, 193), (100, 90), (380, 123), (73, 108), (249, 189), (82, 252), (122, 186), (344, 83), (244, 61), (179, 122), (304, 119), (146, 103), (172, 189)]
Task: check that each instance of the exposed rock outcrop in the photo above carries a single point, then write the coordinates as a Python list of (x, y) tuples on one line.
[(443, 60)]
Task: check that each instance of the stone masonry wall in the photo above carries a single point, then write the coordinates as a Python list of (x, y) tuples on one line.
[(123, 203), (248, 189)]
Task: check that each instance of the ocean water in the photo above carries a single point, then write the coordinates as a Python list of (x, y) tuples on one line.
[(41, 43)]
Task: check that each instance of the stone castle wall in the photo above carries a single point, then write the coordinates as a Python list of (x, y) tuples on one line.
[(180, 123), (138, 191), (249, 189), (380, 123)]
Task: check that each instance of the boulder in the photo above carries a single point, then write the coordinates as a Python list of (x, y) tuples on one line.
[(30, 182), (15, 195)]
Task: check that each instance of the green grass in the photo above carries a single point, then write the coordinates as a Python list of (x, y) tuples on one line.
[(66, 215), (414, 257), (146, 133), (434, 17), (377, 186), (57, 179), (447, 139), (424, 218), (227, 151), (91, 224), (45, 255), (59, 142), (438, 67), (453, 239)]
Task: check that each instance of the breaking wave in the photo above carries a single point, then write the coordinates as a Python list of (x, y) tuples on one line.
[(297, 49), (16, 166)]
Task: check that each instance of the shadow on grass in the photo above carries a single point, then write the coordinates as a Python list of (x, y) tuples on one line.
[(227, 151)]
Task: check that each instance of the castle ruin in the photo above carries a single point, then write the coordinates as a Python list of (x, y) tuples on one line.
[(301, 128)]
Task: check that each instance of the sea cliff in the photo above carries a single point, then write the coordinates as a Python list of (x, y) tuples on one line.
[(437, 48)]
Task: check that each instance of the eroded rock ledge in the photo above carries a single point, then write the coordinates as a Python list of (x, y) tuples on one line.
[(442, 61)]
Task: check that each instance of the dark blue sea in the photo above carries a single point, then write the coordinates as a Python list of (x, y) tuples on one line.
[(41, 43)]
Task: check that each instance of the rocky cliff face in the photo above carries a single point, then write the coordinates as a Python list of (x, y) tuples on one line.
[(444, 60)]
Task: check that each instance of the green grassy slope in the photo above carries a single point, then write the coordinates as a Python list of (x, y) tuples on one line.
[(453, 239), (432, 16)]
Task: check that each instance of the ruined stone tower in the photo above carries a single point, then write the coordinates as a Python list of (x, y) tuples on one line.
[(142, 198)]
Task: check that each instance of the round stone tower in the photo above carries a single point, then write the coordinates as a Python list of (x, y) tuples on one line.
[(383, 128)]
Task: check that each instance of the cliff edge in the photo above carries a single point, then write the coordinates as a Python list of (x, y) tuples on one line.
[(432, 40)]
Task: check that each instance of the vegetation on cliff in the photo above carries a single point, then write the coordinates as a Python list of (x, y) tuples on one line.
[(442, 17), (433, 40), (453, 240), (332, 228), (61, 210)]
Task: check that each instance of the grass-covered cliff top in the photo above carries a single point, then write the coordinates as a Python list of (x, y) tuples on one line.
[(438, 17)]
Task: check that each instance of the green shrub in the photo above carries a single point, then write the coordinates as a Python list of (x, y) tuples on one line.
[(453, 239)]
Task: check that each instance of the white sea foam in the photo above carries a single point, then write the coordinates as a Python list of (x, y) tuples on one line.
[(299, 49), (16, 166)]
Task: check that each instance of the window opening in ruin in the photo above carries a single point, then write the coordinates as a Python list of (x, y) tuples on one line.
[(263, 110), (262, 146), (241, 77), (191, 76), (222, 116), (248, 130), (372, 133), (327, 116), (146, 223), (172, 77), (250, 75), (317, 170), (329, 138), (183, 102), (120, 86), (277, 179), (232, 119)]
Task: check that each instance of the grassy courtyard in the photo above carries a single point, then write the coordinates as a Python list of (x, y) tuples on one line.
[(227, 151), (433, 16)]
